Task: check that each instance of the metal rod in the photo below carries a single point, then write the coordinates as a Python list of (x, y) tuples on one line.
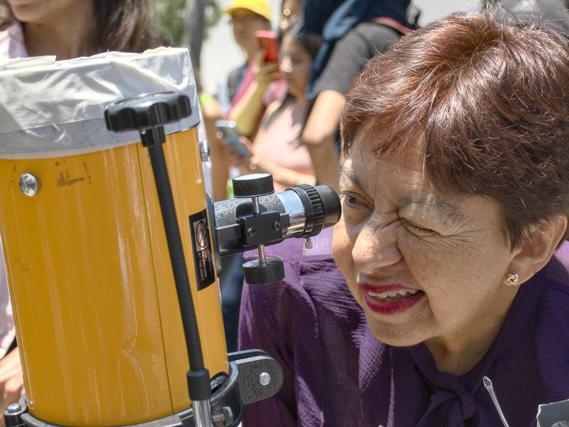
[(262, 257), (198, 376), (202, 413), (256, 205)]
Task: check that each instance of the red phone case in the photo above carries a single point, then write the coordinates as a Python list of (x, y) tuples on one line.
[(270, 43)]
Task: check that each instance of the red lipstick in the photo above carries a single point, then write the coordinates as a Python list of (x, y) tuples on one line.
[(390, 298)]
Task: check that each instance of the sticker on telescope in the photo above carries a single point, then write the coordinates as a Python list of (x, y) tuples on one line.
[(203, 253)]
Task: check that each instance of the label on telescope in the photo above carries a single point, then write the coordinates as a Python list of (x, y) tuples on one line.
[(203, 253)]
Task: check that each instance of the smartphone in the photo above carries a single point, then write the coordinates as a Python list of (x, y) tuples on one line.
[(231, 136), (270, 43)]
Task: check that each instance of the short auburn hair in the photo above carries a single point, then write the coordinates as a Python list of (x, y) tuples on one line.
[(488, 98)]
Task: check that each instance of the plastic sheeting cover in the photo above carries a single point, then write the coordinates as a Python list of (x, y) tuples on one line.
[(50, 108)]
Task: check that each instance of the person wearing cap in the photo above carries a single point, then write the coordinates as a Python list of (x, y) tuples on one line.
[(241, 97), (248, 17)]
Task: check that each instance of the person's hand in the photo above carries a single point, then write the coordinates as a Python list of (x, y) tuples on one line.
[(253, 163), (11, 381), (241, 161), (265, 72)]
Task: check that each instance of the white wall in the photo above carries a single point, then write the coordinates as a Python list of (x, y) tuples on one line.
[(220, 54), (432, 9)]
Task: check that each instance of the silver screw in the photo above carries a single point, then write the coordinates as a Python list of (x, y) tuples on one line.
[(29, 184), (13, 408), (204, 151), (264, 378)]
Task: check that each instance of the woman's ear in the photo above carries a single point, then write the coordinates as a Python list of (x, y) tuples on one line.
[(538, 247)]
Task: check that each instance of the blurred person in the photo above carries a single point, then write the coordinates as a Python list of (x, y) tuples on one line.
[(242, 98), (249, 81), (277, 148), (44, 27), (355, 32), (66, 29), (448, 302), (291, 12)]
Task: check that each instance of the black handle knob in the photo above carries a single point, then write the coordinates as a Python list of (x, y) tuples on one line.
[(253, 185), (257, 272), (147, 111)]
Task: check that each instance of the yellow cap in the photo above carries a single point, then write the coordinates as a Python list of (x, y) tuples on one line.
[(260, 7)]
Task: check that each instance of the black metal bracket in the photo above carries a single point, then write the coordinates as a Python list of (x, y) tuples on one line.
[(260, 229)]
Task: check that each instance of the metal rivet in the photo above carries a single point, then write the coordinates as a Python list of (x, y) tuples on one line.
[(29, 184), (204, 151), (13, 408), (264, 378)]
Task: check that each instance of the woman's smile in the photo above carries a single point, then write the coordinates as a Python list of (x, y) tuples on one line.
[(388, 299)]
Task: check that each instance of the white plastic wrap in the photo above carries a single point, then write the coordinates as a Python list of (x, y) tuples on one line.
[(51, 108)]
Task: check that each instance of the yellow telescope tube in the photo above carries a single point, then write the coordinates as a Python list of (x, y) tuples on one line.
[(93, 294)]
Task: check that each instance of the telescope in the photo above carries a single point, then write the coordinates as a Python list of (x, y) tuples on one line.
[(111, 243)]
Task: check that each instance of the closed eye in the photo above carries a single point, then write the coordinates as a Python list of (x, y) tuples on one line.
[(417, 229)]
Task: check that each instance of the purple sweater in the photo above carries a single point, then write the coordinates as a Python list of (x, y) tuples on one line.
[(338, 374)]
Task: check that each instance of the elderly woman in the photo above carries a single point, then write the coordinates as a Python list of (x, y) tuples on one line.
[(455, 193)]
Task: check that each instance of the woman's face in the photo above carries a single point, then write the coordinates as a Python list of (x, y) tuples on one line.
[(43, 11), (425, 266), (295, 65), (245, 24)]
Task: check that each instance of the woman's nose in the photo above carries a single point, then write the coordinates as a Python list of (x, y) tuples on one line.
[(376, 246), (284, 65)]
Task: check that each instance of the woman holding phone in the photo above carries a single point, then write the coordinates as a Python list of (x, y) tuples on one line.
[(276, 148), (242, 96)]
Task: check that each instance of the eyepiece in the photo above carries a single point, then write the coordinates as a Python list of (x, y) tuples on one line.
[(321, 206)]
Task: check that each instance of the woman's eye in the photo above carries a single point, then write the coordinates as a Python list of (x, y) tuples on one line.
[(354, 204), (417, 228), (351, 199)]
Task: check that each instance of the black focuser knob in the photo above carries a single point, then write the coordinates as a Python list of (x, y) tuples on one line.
[(253, 185), (147, 111), (258, 272)]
